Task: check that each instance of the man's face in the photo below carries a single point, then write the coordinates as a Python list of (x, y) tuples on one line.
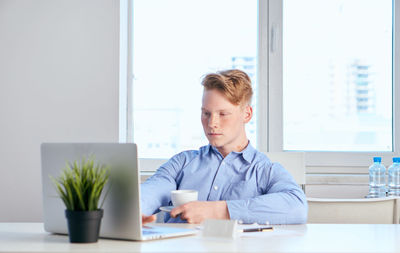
[(224, 122)]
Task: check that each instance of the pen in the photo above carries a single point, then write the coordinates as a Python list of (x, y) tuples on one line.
[(259, 229)]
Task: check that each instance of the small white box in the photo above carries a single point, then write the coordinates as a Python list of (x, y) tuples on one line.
[(220, 228)]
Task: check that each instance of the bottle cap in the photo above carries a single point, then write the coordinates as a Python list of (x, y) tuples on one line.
[(396, 159), (377, 159)]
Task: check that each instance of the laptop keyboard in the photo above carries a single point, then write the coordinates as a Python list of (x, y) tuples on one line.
[(148, 232)]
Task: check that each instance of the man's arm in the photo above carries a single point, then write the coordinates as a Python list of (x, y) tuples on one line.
[(155, 191), (282, 203)]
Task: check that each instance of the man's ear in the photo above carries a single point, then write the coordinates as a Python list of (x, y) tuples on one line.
[(248, 113)]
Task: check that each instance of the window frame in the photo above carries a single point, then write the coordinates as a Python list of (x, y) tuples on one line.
[(270, 92), (275, 97)]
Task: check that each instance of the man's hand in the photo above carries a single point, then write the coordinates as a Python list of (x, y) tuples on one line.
[(198, 211), (148, 219)]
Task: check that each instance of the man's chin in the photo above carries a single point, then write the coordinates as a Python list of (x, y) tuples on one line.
[(216, 144)]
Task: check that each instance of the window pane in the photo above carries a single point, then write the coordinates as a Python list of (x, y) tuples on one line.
[(175, 43), (337, 75)]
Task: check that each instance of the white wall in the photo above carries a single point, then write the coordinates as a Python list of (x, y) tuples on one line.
[(58, 83)]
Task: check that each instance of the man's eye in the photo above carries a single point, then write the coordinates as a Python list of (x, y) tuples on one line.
[(223, 114), (207, 114)]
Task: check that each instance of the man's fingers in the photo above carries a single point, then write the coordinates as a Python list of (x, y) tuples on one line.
[(176, 211), (148, 219)]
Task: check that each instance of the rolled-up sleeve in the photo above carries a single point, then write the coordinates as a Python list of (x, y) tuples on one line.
[(281, 202)]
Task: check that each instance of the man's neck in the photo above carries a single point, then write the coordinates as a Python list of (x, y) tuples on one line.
[(238, 148)]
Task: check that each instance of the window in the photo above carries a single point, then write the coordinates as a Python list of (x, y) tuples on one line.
[(323, 73), (332, 80), (337, 75), (175, 43)]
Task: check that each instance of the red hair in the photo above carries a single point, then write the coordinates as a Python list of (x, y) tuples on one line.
[(234, 84)]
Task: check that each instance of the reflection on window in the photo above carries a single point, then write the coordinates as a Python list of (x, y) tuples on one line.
[(337, 75), (177, 42)]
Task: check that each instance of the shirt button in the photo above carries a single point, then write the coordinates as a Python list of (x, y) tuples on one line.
[(223, 163), (215, 187)]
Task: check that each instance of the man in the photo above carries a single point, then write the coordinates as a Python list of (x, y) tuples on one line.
[(233, 180)]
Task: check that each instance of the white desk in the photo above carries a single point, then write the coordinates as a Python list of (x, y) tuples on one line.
[(30, 237)]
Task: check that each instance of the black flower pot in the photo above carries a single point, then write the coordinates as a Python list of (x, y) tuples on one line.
[(84, 226)]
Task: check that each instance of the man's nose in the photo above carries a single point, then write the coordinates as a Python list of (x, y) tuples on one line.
[(213, 121)]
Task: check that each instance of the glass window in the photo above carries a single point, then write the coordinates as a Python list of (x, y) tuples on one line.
[(337, 75), (176, 42)]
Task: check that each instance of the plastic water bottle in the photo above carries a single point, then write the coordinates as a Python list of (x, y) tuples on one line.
[(377, 184), (394, 177)]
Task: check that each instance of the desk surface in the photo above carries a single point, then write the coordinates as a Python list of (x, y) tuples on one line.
[(30, 237)]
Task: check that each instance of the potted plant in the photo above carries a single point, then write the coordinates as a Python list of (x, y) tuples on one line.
[(80, 186)]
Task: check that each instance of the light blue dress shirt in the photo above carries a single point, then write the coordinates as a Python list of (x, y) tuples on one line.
[(255, 189)]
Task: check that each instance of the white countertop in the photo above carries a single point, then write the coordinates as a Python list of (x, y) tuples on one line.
[(30, 237)]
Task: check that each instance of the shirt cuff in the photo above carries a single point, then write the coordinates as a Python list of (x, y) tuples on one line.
[(238, 210)]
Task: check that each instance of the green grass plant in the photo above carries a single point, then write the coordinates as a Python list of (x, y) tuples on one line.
[(81, 183)]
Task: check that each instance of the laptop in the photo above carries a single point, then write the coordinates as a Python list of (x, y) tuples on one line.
[(122, 215)]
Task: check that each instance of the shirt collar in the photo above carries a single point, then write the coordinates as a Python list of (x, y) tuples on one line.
[(247, 153), (214, 150)]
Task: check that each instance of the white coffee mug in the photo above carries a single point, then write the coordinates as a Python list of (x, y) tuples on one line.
[(180, 197)]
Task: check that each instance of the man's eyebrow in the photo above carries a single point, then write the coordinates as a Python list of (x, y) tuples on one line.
[(222, 110)]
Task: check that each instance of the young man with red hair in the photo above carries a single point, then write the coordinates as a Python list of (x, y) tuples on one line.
[(233, 179)]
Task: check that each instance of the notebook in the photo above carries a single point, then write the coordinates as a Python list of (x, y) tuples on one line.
[(122, 215)]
